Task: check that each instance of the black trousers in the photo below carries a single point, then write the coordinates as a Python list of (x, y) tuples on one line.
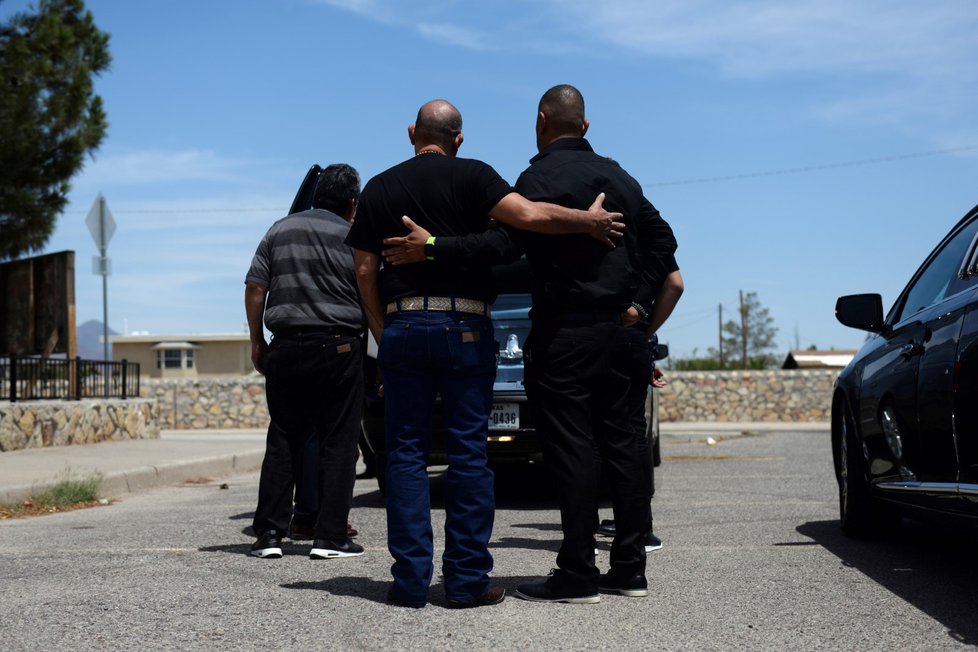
[(641, 372), (578, 379), (314, 386)]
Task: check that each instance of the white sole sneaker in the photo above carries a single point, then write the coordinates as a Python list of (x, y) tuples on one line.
[(587, 599), (326, 553), (628, 593), (267, 553)]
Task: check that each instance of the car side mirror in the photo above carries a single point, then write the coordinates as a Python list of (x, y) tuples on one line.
[(661, 351), (862, 311)]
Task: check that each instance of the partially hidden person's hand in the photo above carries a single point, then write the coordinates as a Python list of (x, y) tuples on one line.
[(630, 316), (658, 378), (258, 351), (606, 227), (409, 248)]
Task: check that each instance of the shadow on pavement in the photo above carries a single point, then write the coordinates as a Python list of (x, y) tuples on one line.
[(359, 587), (244, 516), (933, 569), (376, 590)]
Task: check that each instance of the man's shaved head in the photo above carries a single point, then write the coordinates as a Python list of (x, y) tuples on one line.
[(438, 123), (564, 107)]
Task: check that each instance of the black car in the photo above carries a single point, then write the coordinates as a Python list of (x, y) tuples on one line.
[(905, 410)]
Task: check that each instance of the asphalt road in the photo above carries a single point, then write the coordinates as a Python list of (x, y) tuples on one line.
[(753, 559)]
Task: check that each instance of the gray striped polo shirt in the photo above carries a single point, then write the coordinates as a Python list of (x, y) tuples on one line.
[(308, 270)]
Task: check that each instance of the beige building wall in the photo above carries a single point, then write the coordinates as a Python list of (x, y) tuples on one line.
[(213, 355)]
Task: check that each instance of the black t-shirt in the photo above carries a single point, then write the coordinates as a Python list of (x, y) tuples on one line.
[(447, 196)]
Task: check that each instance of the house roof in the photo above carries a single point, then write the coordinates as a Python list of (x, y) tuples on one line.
[(834, 359), (185, 338)]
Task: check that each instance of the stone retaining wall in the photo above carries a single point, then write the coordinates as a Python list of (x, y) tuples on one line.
[(776, 395), (194, 403), (39, 424)]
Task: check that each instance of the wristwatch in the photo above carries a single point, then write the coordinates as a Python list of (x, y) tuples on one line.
[(429, 248)]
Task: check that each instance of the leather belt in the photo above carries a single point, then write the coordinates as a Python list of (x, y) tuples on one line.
[(440, 304)]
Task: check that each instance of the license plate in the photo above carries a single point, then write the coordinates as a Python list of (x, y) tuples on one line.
[(505, 416)]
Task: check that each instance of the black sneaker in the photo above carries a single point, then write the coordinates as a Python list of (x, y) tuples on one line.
[(558, 588), (652, 542), (326, 549), (634, 586), (607, 528), (268, 545)]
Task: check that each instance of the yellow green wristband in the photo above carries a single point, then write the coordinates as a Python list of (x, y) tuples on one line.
[(429, 248)]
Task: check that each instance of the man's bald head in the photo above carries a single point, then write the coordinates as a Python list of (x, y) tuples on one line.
[(564, 108), (560, 114), (438, 123)]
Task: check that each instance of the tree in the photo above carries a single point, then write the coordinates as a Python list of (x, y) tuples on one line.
[(50, 117), (753, 336)]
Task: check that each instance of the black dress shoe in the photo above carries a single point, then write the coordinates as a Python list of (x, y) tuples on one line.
[(631, 586), (301, 533), (607, 528), (494, 595), (559, 587)]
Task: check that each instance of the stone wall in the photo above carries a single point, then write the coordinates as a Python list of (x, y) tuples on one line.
[(39, 424), (194, 403), (776, 395)]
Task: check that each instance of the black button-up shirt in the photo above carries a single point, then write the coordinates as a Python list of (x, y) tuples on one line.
[(576, 272)]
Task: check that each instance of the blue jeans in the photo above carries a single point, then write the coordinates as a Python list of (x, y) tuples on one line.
[(424, 353)]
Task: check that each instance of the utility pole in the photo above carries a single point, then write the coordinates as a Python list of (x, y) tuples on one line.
[(743, 328), (720, 332)]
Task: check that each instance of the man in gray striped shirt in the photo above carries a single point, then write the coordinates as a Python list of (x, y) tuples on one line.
[(302, 283)]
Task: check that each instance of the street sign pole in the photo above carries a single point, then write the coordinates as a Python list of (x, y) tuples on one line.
[(102, 226), (105, 280)]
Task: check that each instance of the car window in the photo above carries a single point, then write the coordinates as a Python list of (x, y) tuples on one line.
[(939, 279)]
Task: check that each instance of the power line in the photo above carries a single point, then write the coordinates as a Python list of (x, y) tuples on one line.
[(815, 168)]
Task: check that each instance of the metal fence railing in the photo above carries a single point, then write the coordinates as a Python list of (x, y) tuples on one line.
[(29, 378)]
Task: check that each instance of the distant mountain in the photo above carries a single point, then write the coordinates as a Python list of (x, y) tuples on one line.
[(90, 340)]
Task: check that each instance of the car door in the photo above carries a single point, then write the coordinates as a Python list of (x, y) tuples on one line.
[(909, 382)]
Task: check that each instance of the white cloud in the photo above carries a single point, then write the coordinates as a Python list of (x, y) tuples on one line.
[(908, 54), (118, 168)]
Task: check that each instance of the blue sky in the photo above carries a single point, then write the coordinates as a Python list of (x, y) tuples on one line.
[(734, 115)]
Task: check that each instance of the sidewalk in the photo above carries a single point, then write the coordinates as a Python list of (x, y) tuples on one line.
[(134, 465), (181, 455)]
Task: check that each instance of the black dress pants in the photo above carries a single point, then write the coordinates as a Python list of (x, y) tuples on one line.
[(314, 386), (578, 379)]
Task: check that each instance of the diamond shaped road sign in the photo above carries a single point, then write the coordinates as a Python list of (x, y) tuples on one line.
[(100, 222)]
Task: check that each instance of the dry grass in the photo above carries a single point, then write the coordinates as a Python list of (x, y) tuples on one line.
[(66, 495)]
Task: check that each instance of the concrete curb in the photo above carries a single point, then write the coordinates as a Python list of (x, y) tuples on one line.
[(143, 478)]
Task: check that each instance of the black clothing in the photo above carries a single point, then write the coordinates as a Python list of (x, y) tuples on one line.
[(445, 195), (576, 272), (582, 363), (313, 373), (313, 384), (580, 403)]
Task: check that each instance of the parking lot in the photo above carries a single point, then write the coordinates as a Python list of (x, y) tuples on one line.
[(753, 559)]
